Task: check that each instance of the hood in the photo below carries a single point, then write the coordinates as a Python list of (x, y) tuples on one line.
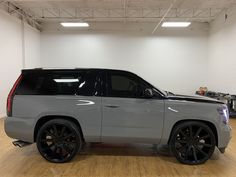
[(194, 98)]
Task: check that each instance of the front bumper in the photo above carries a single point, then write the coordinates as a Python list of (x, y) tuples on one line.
[(19, 128), (224, 136)]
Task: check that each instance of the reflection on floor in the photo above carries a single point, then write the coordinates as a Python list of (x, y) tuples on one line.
[(107, 160)]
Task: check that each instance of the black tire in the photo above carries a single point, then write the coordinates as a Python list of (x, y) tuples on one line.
[(192, 142), (59, 140)]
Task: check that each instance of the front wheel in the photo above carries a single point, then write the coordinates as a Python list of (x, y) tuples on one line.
[(58, 140), (192, 142)]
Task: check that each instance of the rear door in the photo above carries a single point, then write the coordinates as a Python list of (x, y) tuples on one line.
[(127, 115), (72, 93)]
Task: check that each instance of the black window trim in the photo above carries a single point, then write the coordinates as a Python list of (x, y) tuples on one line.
[(102, 75)]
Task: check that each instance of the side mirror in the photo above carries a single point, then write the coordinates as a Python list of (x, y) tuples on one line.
[(148, 93)]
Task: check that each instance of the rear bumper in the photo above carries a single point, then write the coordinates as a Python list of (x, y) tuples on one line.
[(19, 128)]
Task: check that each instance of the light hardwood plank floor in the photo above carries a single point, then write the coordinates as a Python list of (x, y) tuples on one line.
[(106, 160)]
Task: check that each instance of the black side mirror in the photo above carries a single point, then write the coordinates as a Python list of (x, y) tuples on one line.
[(148, 93)]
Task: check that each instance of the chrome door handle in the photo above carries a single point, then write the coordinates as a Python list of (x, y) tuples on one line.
[(112, 106)]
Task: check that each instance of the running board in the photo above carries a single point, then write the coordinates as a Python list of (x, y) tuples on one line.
[(20, 143)]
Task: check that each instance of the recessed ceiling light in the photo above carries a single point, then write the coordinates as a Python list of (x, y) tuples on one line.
[(75, 24), (176, 24)]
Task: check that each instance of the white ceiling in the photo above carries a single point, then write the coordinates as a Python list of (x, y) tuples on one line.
[(124, 10)]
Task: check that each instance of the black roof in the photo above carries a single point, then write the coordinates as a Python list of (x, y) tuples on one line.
[(36, 70)]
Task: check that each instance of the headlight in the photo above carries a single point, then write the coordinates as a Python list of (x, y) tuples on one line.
[(224, 113)]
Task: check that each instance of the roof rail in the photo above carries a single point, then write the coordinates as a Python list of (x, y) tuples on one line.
[(54, 68)]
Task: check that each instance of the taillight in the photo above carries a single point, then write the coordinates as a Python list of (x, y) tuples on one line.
[(11, 96)]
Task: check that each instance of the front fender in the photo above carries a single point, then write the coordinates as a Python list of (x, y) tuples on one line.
[(176, 111)]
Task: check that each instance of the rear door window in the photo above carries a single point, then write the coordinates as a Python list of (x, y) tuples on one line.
[(85, 83)]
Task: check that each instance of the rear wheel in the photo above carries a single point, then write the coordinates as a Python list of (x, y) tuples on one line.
[(192, 142), (58, 140)]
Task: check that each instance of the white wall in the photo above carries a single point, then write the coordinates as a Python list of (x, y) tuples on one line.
[(11, 53), (222, 53), (32, 47), (174, 60)]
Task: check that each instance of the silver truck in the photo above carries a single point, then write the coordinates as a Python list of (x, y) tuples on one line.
[(61, 109)]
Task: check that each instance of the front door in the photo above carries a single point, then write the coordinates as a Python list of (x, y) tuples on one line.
[(127, 115)]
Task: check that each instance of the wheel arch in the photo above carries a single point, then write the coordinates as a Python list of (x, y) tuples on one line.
[(47, 118), (209, 124)]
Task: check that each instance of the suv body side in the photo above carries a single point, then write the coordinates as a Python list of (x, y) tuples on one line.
[(109, 114)]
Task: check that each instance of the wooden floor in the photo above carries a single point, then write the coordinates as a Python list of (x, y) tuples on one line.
[(111, 160)]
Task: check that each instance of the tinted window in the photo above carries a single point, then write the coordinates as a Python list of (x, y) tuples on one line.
[(59, 83), (125, 85)]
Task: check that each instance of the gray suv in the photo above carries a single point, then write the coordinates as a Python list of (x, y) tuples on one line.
[(61, 109)]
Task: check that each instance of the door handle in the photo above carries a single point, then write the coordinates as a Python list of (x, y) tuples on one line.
[(112, 106)]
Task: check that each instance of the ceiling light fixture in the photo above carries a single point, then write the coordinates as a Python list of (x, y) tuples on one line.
[(176, 24), (75, 24)]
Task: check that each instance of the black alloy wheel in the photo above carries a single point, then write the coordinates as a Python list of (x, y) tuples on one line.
[(58, 140), (192, 142)]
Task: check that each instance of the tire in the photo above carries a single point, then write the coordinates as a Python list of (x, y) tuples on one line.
[(59, 140), (192, 142)]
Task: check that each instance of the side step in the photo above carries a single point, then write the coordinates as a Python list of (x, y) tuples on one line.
[(20, 143)]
